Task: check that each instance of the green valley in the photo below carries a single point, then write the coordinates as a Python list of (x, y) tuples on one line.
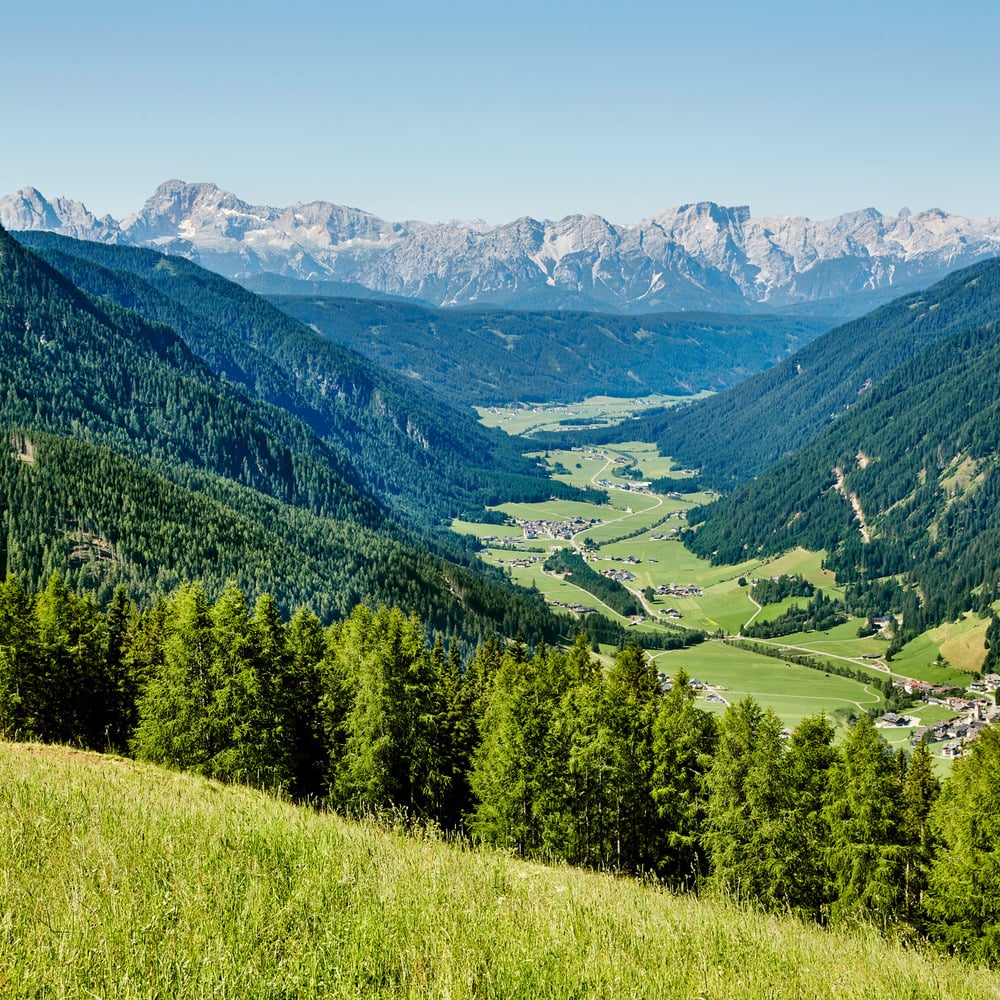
[(638, 535)]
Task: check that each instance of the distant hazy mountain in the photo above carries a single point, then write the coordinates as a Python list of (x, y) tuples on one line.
[(701, 256), (902, 486)]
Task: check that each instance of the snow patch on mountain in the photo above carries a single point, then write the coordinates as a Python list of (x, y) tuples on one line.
[(696, 256)]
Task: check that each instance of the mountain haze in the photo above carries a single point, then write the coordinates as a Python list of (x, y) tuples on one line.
[(485, 357), (738, 434), (698, 256)]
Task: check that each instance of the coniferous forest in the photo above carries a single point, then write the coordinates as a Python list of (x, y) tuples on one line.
[(162, 426), (542, 752)]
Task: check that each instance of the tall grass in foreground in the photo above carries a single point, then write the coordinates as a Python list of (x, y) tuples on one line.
[(119, 880)]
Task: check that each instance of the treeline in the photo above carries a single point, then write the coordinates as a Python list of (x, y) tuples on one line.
[(572, 566), (771, 590), (821, 613), (589, 545), (546, 752), (678, 484)]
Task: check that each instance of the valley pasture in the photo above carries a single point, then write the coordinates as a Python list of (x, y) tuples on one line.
[(637, 535)]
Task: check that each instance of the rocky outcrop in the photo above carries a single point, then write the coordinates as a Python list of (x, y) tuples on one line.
[(698, 256)]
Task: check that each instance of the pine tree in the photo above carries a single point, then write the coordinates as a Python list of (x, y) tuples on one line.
[(809, 759), (963, 894), (866, 855), (304, 701), (123, 689), (684, 739), (631, 701), (73, 691), (20, 652), (176, 724), (745, 831), (391, 754), (920, 791), (507, 771)]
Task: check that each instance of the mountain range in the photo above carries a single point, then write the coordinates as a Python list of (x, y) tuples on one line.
[(700, 256)]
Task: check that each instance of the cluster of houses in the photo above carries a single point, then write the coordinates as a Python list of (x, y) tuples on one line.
[(631, 560), (933, 694), (990, 682), (607, 484), (556, 529), (507, 542), (678, 590), (520, 563), (580, 609), (959, 732), (620, 575)]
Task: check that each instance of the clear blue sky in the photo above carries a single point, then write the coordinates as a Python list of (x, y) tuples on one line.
[(435, 110)]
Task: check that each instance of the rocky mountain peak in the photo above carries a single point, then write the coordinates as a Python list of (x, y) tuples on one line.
[(30, 209), (699, 255)]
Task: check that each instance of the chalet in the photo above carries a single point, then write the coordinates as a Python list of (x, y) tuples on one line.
[(891, 720)]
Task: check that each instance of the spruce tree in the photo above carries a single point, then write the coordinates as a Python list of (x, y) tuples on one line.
[(866, 856), (684, 739), (962, 899), (920, 791), (745, 831)]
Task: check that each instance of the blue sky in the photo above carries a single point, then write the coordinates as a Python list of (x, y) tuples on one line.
[(459, 110)]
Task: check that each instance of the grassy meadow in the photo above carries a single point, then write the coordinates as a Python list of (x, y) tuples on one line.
[(944, 655), (119, 880), (523, 418), (793, 691)]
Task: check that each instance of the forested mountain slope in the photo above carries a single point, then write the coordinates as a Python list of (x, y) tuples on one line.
[(70, 365), (488, 357), (124, 460), (417, 453), (906, 483), (739, 433), (102, 521)]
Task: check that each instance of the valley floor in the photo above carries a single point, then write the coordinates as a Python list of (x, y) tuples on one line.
[(635, 536)]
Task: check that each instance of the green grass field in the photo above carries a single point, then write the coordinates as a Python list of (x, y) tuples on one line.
[(960, 644), (794, 692), (124, 882), (724, 605), (527, 417)]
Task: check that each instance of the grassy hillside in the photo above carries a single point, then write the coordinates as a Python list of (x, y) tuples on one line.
[(121, 880)]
